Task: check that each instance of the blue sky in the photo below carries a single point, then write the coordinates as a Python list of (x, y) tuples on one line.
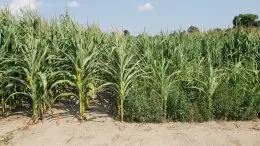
[(137, 15)]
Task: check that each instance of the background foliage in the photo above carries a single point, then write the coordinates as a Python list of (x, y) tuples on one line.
[(178, 76)]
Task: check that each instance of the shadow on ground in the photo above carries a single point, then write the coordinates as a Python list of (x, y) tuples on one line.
[(20, 111), (101, 107)]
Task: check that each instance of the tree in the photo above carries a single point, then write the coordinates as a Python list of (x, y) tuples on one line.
[(126, 33), (193, 29), (258, 23), (217, 29), (246, 20)]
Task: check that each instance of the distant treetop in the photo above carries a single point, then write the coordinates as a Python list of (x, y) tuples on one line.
[(246, 20), (193, 29)]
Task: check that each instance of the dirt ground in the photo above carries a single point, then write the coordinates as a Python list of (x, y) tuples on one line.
[(100, 129)]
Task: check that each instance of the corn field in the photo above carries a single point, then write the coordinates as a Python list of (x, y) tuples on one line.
[(178, 77)]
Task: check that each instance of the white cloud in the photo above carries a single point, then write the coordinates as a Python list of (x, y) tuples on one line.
[(145, 8), (73, 4), (41, 3), (16, 5)]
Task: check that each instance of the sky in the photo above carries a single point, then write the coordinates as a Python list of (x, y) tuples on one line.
[(137, 16)]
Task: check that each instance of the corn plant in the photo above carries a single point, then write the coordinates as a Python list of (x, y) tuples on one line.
[(122, 69), (161, 77), (7, 42), (79, 63)]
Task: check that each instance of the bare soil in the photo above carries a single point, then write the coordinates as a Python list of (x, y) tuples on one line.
[(100, 129)]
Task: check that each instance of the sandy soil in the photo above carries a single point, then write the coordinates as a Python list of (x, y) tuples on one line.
[(101, 130)]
